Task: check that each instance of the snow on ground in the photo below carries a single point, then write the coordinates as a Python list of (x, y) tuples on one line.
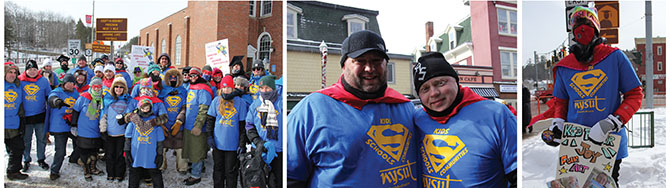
[(644, 167), (72, 175)]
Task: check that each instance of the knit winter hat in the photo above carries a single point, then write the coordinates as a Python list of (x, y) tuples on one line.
[(47, 62), (69, 78), (153, 67), (186, 70), (268, 80), (95, 81), (62, 58), (591, 14), (207, 68), (146, 83), (432, 64), (217, 71), (227, 81), (195, 70), (241, 81), (99, 68), (31, 64), (144, 102), (109, 67)]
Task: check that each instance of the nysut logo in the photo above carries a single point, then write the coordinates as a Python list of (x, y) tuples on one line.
[(587, 83), (441, 152)]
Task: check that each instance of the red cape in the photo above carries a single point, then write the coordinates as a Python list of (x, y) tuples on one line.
[(154, 100), (469, 97), (24, 77), (199, 86), (107, 82), (337, 92)]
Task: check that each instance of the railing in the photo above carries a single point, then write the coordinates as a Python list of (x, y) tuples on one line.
[(538, 102), (641, 130)]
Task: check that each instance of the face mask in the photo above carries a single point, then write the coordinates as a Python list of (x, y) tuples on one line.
[(238, 71), (64, 66), (206, 77), (270, 95), (155, 78), (173, 83), (584, 34), (145, 114)]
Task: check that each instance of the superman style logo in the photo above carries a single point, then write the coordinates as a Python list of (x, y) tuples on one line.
[(173, 100), (229, 112), (443, 151), (587, 83), (10, 96), (31, 89), (69, 101), (391, 139), (191, 96)]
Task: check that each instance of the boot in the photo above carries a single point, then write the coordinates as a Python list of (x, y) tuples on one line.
[(17, 176), (87, 170), (26, 167), (93, 168)]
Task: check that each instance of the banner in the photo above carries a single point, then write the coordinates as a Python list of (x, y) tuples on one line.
[(584, 160), (141, 56), (217, 55), (89, 19)]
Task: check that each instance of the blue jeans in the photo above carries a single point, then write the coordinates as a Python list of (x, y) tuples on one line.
[(38, 128), (60, 145), (196, 168)]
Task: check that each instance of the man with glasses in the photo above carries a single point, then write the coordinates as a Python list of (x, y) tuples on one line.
[(258, 71)]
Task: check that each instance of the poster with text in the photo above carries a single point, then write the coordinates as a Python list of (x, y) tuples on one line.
[(141, 56), (579, 157), (217, 54)]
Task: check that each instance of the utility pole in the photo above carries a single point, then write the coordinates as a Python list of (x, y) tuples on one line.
[(649, 66), (92, 23), (535, 65)]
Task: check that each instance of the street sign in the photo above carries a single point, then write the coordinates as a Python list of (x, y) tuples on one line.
[(612, 35), (608, 14), (575, 3), (89, 52), (73, 47), (568, 8), (111, 29), (101, 48)]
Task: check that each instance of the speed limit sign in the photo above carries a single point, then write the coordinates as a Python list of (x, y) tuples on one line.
[(73, 47)]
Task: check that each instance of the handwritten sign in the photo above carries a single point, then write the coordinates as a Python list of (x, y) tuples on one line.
[(217, 55), (141, 56)]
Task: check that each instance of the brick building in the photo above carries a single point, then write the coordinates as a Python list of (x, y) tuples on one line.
[(253, 30), (658, 50)]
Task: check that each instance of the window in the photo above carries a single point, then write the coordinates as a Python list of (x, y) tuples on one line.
[(433, 46), (659, 66), (390, 72), (508, 64), (291, 29), (252, 8), (264, 43), (355, 22), (266, 8), (659, 50), (452, 39), (163, 46), (355, 26), (506, 21), (177, 51)]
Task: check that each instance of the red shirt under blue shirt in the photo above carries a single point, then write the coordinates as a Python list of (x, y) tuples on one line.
[(594, 91), (473, 146)]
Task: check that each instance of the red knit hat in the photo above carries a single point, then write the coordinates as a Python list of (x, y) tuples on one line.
[(227, 81)]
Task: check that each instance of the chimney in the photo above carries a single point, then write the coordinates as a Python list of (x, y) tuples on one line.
[(429, 33)]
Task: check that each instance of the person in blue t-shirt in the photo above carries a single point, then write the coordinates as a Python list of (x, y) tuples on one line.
[(242, 87), (173, 96), (357, 132), (589, 84), (35, 90), (198, 99), (60, 104), (81, 65), (86, 117), (263, 125), (113, 106), (465, 140), (144, 145), (120, 68), (258, 71), (225, 133), (13, 123)]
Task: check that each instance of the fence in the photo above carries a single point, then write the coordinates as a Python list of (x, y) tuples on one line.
[(641, 130)]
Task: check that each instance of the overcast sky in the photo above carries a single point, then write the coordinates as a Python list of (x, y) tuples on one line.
[(140, 13), (543, 25)]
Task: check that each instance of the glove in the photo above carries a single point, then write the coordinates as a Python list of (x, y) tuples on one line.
[(176, 127), (122, 120), (129, 157), (158, 161), (60, 103), (241, 149), (104, 136), (600, 130), (261, 143), (552, 136), (210, 142), (159, 155), (196, 131)]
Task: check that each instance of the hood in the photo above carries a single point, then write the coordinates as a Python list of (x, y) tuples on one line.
[(119, 81), (180, 78), (168, 58)]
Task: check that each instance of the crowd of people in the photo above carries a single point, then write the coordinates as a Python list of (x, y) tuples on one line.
[(132, 121)]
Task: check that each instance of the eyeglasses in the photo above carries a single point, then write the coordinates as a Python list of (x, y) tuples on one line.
[(96, 86), (118, 87), (193, 75), (255, 69)]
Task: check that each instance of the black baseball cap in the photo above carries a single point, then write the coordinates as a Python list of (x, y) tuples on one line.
[(361, 42), (258, 64)]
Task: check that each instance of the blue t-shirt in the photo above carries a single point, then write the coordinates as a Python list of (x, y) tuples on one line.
[(254, 117), (194, 99), (158, 108), (113, 109), (594, 94), (35, 95), (173, 103), (226, 128), (56, 123), (87, 127), (475, 148), (143, 144), (13, 99), (89, 72), (332, 144)]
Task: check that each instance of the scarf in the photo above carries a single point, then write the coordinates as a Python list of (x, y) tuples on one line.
[(268, 118), (94, 106)]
